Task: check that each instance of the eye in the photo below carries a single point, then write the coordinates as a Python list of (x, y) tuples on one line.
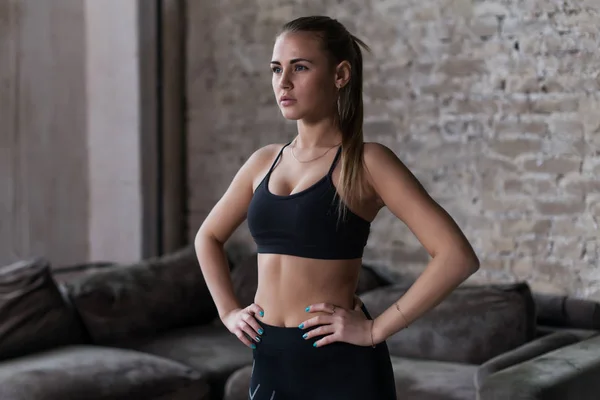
[(300, 67), (276, 70)]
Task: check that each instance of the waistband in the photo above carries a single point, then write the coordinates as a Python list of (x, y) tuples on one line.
[(289, 339)]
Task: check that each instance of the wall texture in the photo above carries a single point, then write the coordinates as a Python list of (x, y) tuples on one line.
[(43, 151), (71, 151), (494, 105)]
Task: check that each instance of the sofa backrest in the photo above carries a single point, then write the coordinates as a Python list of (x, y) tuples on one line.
[(567, 312), (472, 325), (121, 302), (33, 313)]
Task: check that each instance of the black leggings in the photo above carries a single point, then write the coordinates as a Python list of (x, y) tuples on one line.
[(288, 367)]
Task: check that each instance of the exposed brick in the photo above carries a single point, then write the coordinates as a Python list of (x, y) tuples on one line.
[(498, 246), (491, 203), (580, 186), (559, 165), (517, 104), (523, 267), (513, 186), (525, 84), (440, 88), (568, 249), (538, 248), (519, 127), (472, 105), (552, 269), (458, 67), (459, 129), (566, 128), (513, 148), (589, 115), (550, 105), (543, 286), (521, 226), (494, 165), (591, 251), (485, 26), (575, 226), (566, 207)]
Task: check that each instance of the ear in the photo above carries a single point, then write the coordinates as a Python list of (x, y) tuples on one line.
[(342, 74)]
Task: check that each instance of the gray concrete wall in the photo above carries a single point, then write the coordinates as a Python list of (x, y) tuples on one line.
[(493, 105), (71, 159), (43, 150), (113, 130)]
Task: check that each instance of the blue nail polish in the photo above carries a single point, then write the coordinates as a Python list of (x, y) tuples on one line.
[(315, 344), (301, 326), (305, 335), (307, 309), (261, 313), (260, 331), (253, 346)]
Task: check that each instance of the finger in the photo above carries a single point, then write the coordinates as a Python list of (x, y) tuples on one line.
[(326, 340), (242, 337), (319, 331), (323, 307), (251, 326), (256, 309), (318, 320), (357, 302)]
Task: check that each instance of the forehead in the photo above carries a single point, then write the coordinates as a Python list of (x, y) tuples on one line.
[(297, 45)]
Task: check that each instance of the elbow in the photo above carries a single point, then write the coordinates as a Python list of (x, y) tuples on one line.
[(472, 264)]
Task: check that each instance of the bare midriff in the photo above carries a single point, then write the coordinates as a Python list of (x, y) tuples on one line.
[(288, 284)]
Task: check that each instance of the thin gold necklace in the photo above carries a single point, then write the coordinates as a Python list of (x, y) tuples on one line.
[(313, 159)]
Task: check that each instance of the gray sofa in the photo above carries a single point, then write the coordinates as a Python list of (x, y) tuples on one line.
[(150, 331)]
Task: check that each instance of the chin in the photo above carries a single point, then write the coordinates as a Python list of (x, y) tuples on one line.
[(291, 115)]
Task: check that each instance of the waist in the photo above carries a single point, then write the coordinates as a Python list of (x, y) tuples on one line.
[(288, 284)]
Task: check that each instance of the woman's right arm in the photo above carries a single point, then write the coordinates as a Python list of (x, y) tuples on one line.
[(225, 217)]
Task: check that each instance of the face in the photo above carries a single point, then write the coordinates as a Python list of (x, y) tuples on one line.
[(304, 81)]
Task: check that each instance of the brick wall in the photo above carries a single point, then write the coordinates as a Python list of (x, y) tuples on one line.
[(495, 106)]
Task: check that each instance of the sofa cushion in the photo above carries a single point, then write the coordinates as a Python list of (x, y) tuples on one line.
[(433, 380), (415, 379), (33, 313), (211, 350), (528, 351), (90, 372), (245, 279), (472, 325), (143, 299), (566, 311)]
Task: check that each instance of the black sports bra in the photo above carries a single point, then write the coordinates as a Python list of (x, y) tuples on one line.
[(306, 224)]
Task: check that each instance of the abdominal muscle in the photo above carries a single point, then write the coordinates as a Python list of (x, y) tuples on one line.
[(288, 284)]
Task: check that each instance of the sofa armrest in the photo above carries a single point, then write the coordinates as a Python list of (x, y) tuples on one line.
[(570, 372), (526, 352)]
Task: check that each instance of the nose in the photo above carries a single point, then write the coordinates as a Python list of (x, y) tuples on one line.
[(285, 81)]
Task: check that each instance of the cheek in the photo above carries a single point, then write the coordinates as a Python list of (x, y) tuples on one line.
[(317, 88)]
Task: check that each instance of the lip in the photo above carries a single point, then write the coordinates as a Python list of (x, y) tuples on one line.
[(286, 101)]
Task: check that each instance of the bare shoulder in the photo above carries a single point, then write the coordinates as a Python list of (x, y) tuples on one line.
[(405, 197), (263, 155), (383, 164), (231, 209)]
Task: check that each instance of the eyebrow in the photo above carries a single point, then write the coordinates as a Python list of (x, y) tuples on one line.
[(293, 61)]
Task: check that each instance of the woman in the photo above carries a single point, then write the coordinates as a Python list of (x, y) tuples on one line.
[(309, 205)]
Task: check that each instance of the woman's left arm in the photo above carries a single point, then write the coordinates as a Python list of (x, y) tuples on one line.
[(453, 258)]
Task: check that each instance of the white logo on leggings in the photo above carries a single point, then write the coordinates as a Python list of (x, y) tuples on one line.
[(258, 386)]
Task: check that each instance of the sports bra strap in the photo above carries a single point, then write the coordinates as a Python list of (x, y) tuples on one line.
[(335, 160), (278, 157)]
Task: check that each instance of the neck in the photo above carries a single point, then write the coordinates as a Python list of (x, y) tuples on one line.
[(322, 133)]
